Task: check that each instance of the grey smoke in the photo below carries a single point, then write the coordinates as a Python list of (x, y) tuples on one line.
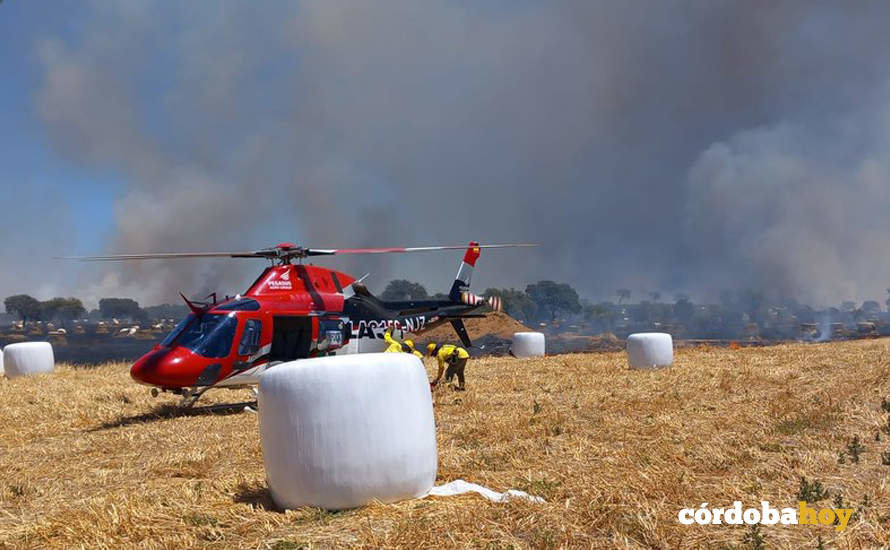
[(680, 146)]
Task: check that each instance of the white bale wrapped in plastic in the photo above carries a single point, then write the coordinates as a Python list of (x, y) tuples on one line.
[(376, 344), (338, 432), (528, 344), (365, 345), (1, 361), (27, 358), (649, 350)]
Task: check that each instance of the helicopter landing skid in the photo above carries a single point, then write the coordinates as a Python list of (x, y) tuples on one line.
[(191, 396)]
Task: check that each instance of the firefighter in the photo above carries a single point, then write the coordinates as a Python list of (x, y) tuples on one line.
[(456, 358), (400, 347)]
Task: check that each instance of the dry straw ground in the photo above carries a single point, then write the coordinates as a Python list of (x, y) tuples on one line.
[(84, 463), (494, 323)]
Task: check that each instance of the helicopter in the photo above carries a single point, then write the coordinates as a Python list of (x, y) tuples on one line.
[(292, 311)]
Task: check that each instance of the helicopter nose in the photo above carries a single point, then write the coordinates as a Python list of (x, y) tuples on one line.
[(146, 369), (164, 367)]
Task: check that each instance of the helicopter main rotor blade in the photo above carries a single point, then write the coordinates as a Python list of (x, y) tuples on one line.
[(340, 251), (162, 256), (283, 252)]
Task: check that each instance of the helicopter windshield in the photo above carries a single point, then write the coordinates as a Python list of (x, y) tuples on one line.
[(209, 335)]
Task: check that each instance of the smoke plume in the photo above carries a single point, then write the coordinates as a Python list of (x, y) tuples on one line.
[(674, 146)]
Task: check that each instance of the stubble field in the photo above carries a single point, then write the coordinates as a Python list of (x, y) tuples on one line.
[(88, 459)]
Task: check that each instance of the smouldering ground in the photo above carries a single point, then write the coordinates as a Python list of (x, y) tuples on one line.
[(615, 452)]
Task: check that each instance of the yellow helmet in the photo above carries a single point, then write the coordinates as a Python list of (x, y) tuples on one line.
[(409, 343), (431, 347)]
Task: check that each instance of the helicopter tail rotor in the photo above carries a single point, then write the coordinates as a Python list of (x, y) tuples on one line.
[(470, 299)]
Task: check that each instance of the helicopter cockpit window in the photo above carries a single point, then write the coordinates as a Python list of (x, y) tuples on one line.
[(168, 341), (209, 335), (250, 338)]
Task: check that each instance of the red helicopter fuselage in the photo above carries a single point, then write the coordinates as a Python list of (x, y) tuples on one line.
[(230, 343), (293, 312)]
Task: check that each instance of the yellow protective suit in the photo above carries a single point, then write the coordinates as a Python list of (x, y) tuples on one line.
[(394, 346), (446, 353)]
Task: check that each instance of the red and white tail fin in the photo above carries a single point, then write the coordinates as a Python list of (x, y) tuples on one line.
[(465, 272), (460, 290)]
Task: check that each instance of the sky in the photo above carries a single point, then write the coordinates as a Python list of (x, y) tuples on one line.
[(669, 146)]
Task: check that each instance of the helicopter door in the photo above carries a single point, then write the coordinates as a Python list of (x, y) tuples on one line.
[(291, 338)]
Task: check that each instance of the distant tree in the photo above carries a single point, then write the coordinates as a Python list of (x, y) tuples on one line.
[(645, 312), (166, 311), (401, 290), (599, 314), (706, 320), (48, 309), (684, 310), (871, 307), (554, 298), (72, 309), (63, 309), (141, 316), (439, 296), (516, 303), (680, 296), (848, 306), (27, 308), (120, 307), (655, 295), (623, 294)]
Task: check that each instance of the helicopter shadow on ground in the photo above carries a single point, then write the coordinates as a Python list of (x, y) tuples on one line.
[(167, 411)]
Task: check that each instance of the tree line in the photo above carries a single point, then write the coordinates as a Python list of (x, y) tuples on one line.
[(29, 309), (544, 300), (550, 301)]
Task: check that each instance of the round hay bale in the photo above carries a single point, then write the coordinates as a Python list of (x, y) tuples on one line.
[(27, 358), (649, 350), (1, 361), (338, 432), (528, 344), (362, 345)]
